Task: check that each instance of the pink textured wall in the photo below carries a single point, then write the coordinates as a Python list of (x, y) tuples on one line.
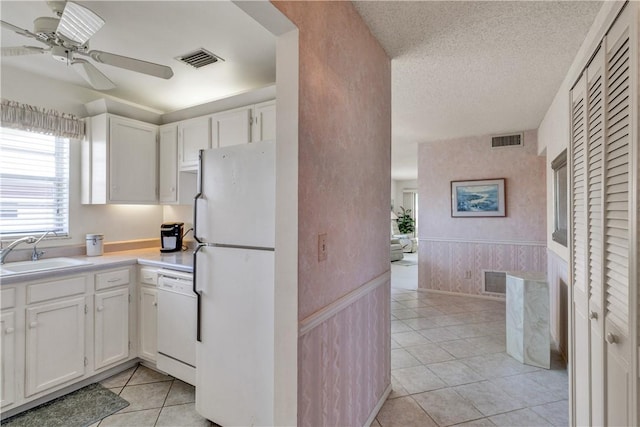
[(454, 252), (441, 162), (459, 266), (343, 393), (344, 175)]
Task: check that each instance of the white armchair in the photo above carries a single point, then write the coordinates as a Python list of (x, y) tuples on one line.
[(408, 242)]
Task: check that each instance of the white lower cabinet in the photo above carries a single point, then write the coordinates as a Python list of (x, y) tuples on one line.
[(55, 350), (111, 327), (148, 319), (8, 362)]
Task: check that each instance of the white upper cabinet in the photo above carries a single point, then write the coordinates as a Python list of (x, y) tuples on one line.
[(168, 170), (193, 135), (263, 123), (119, 161), (231, 127)]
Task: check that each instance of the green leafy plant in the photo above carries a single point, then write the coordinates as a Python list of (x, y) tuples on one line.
[(406, 224)]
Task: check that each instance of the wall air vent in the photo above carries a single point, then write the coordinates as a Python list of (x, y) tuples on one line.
[(494, 282), (199, 58), (513, 140)]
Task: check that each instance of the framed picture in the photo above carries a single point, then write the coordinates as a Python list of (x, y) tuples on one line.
[(478, 198)]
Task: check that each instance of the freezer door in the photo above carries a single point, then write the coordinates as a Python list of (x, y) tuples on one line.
[(234, 360), (238, 194)]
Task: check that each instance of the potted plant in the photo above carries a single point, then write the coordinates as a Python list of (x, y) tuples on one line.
[(406, 224)]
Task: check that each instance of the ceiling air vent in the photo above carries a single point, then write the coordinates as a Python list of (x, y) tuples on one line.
[(199, 58), (513, 140)]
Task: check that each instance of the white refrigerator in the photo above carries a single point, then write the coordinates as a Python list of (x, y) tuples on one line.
[(234, 221)]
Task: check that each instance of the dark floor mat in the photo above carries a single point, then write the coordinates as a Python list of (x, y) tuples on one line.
[(78, 409)]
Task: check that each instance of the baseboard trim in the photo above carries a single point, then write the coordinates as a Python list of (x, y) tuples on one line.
[(485, 242), (438, 291), (376, 409), (320, 316)]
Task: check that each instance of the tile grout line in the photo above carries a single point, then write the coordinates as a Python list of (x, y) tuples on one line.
[(164, 402), (491, 319)]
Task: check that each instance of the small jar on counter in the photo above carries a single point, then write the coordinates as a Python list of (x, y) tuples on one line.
[(95, 244)]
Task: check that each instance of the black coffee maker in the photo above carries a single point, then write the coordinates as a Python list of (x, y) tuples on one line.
[(171, 236)]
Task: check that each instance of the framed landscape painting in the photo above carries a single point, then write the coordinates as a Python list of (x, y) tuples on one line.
[(478, 198)]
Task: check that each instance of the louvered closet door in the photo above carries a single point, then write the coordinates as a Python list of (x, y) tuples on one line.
[(581, 360), (617, 233), (594, 190)]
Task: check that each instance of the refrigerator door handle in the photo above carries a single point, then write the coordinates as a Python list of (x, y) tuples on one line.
[(197, 290), (195, 201)]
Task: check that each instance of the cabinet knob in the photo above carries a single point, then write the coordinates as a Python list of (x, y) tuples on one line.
[(9, 331), (612, 338), (100, 308), (593, 315), (155, 303), (33, 325)]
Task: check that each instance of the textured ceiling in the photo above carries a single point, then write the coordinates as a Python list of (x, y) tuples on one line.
[(472, 68), (159, 31)]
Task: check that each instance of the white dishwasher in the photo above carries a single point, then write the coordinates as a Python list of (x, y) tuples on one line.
[(177, 309)]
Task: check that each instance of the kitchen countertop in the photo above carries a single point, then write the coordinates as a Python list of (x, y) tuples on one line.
[(180, 261)]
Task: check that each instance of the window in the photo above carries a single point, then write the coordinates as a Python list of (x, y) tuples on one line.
[(559, 166), (34, 183)]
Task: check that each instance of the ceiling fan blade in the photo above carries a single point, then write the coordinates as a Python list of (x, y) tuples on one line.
[(22, 50), (132, 64), (18, 30), (92, 75), (78, 23)]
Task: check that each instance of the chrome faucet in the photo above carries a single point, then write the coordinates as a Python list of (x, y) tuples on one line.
[(36, 254), (4, 252)]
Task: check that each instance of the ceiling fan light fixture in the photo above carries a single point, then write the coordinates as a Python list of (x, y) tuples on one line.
[(78, 23)]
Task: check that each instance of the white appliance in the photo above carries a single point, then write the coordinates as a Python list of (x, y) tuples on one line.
[(234, 221), (177, 325)]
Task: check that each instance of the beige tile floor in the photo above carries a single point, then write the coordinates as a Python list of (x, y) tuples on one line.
[(449, 367), (154, 399)]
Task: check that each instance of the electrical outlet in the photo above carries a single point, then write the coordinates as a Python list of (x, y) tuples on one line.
[(467, 274), (322, 247)]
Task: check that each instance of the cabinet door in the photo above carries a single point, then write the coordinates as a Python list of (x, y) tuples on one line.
[(148, 323), (132, 161), (55, 350), (263, 126), (111, 327), (231, 128), (168, 171), (8, 371), (619, 178), (193, 135), (580, 304)]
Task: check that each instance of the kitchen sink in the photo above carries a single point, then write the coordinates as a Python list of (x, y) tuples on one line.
[(23, 267)]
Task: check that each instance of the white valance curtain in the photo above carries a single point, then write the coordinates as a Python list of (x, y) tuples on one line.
[(35, 119)]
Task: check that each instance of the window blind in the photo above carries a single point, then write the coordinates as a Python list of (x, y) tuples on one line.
[(34, 183)]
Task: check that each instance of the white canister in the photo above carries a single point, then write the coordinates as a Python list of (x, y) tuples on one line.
[(94, 244)]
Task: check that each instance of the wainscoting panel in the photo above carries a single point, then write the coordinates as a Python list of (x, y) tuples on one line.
[(557, 277), (458, 266), (340, 377)]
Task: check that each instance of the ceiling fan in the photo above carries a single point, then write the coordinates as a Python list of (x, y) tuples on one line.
[(67, 39)]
